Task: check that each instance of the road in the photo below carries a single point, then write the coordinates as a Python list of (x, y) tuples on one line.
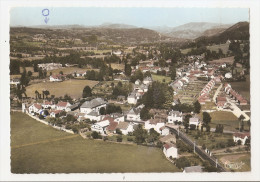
[(212, 160), (216, 93), (237, 111)]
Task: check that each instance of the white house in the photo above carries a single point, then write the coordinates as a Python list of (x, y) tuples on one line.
[(170, 150), (93, 115), (194, 121), (35, 108), (62, 105), (132, 98), (125, 127), (133, 115), (156, 124), (241, 136), (228, 75), (147, 80), (174, 116), (55, 78), (138, 82), (164, 131), (15, 81), (48, 104), (93, 105), (55, 113), (100, 126), (118, 117)]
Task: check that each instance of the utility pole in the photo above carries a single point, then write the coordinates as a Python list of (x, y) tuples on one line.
[(178, 131), (194, 147), (216, 163)]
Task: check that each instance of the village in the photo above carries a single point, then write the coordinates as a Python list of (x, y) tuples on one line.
[(187, 101)]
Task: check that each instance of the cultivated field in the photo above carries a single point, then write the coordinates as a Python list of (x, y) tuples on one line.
[(223, 47), (37, 148), (118, 66), (239, 162), (228, 60), (71, 87)]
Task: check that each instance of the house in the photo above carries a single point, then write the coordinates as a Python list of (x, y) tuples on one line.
[(100, 127), (35, 108), (193, 169), (221, 102), (132, 98), (168, 139), (156, 124), (55, 78), (62, 105), (93, 115), (118, 117), (125, 127), (112, 126), (170, 150), (241, 136), (55, 113), (133, 115), (93, 105), (164, 131), (72, 107), (47, 104), (194, 121), (138, 82), (174, 116), (15, 81), (147, 80)]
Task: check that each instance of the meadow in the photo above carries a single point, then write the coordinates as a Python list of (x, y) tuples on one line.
[(72, 87), (38, 148)]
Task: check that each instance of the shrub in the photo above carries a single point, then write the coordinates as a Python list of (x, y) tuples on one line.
[(95, 135), (182, 162), (130, 139), (119, 138), (41, 116)]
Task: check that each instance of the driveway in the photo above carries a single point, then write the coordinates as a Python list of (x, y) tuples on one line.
[(237, 111)]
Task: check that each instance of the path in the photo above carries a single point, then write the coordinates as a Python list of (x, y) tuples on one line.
[(44, 141), (216, 93), (224, 149), (237, 111)]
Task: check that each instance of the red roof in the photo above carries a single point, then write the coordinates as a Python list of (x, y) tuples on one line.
[(37, 106), (241, 135), (56, 111), (47, 103), (62, 104), (168, 145), (112, 126)]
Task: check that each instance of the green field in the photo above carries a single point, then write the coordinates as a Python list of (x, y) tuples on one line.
[(37, 148), (242, 88), (160, 78), (71, 87)]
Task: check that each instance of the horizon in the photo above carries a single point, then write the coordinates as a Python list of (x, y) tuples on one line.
[(139, 17)]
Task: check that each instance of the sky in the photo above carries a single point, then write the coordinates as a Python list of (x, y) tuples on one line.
[(140, 17)]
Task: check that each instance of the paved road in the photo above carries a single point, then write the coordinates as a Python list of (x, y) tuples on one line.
[(237, 111), (216, 93), (198, 150)]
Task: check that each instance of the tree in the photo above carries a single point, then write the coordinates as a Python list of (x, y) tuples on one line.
[(153, 136), (102, 111), (140, 134), (206, 118), (144, 114), (249, 124), (187, 121), (197, 107), (24, 78), (29, 73), (14, 67), (173, 72), (119, 138), (87, 92), (61, 72), (219, 128), (128, 69), (241, 118), (182, 162), (239, 142), (118, 131), (35, 67), (36, 94), (95, 135)]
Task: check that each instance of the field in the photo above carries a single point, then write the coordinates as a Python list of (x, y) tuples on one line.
[(73, 88), (68, 70), (228, 60), (223, 115), (241, 162), (160, 78), (223, 47), (37, 148), (118, 66), (242, 88)]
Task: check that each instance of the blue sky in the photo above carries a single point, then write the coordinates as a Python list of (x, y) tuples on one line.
[(141, 17)]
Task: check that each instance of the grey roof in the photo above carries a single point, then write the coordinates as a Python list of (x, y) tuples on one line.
[(148, 79), (93, 113), (122, 125), (193, 169), (177, 113), (93, 103), (134, 111), (74, 106), (194, 119)]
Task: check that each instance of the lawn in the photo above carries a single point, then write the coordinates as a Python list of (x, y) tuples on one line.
[(242, 88), (160, 78), (52, 151), (223, 115), (118, 66), (237, 159), (71, 87), (223, 47)]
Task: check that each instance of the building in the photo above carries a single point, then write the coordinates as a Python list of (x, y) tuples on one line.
[(125, 127), (47, 104), (100, 127), (174, 116), (170, 150), (221, 102), (193, 169), (132, 98), (133, 115), (93, 105), (15, 81), (55, 113), (35, 108), (72, 107), (55, 78), (147, 80), (62, 105), (242, 137), (156, 124), (93, 115), (164, 131), (194, 121), (168, 139)]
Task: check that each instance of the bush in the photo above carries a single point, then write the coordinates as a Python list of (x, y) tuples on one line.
[(230, 143), (119, 138), (95, 135), (118, 131), (105, 138), (41, 116), (130, 139), (182, 162)]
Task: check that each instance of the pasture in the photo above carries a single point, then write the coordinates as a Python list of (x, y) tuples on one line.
[(38, 148), (71, 87), (228, 60), (161, 78)]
